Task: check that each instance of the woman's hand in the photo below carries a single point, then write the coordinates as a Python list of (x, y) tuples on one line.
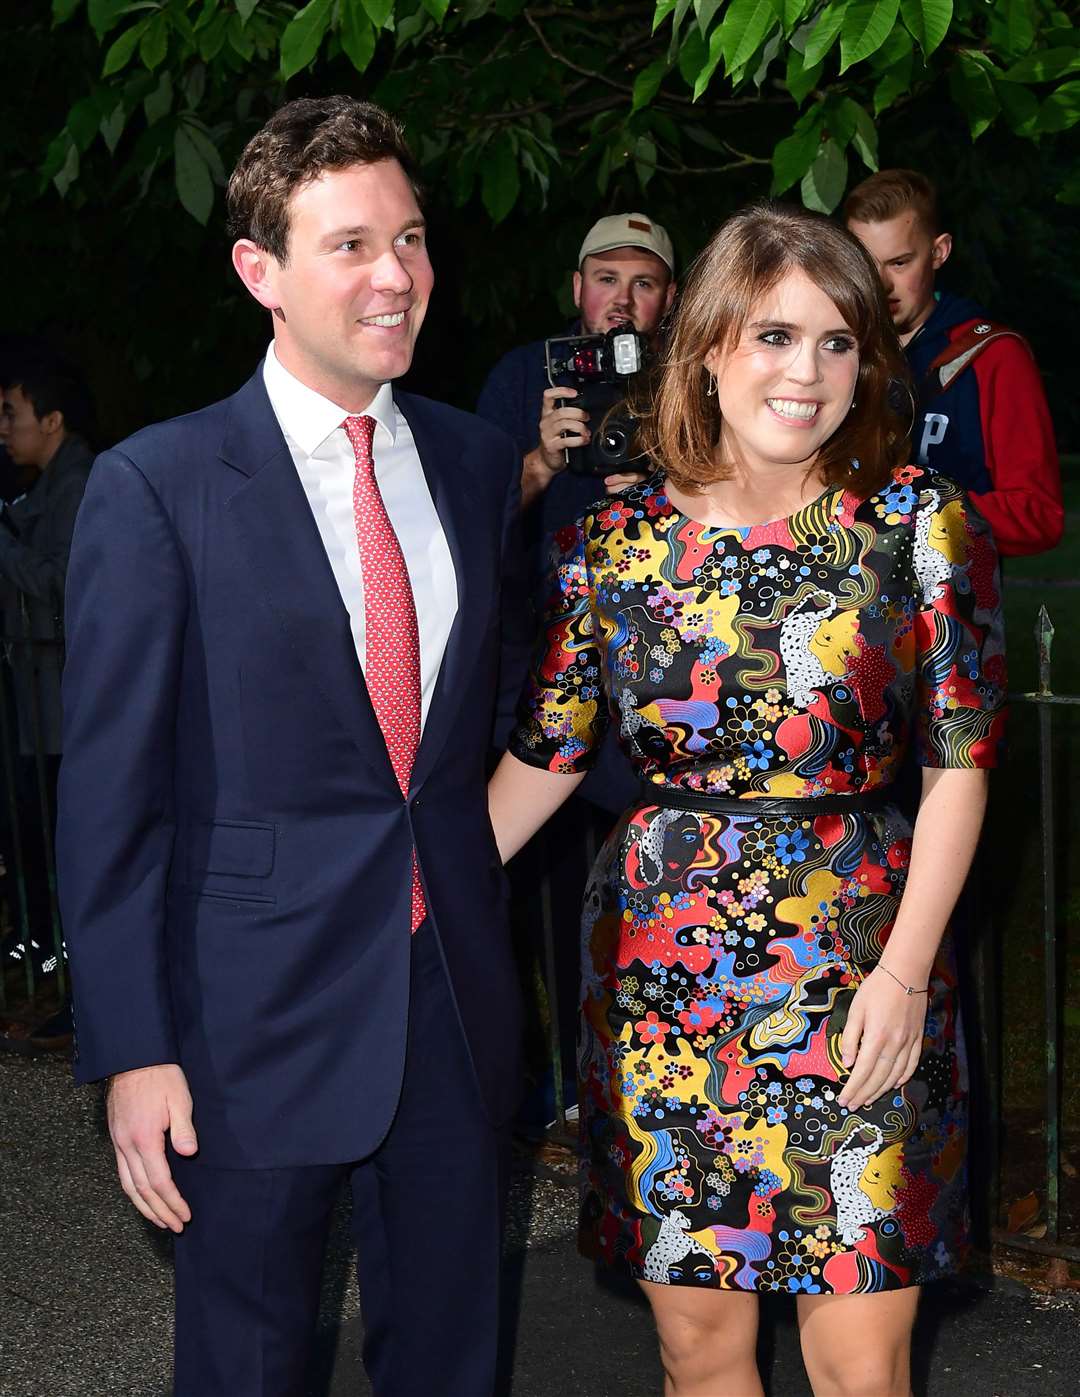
[(882, 1041)]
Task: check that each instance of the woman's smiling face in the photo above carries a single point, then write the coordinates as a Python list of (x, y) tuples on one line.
[(787, 384)]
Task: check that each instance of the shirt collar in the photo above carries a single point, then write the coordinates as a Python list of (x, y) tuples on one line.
[(309, 418)]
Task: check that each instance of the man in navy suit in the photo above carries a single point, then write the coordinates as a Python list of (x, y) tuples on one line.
[(281, 894)]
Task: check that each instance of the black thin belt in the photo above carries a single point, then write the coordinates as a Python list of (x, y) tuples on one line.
[(682, 799)]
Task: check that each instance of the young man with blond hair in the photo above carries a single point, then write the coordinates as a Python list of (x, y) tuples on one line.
[(981, 415)]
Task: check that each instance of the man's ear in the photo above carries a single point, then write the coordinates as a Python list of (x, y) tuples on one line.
[(257, 269), (940, 250), (53, 423), (671, 289), (576, 283)]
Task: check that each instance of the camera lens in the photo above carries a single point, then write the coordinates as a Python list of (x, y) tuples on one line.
[(613, 444)]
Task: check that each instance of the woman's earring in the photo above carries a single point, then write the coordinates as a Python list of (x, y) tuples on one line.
[(855, 463), (710, 392)]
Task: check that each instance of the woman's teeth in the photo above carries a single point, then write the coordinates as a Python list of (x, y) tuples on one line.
[(787, 407), (389, 321)]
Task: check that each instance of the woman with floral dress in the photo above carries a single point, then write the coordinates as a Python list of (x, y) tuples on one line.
[(773, 1093)]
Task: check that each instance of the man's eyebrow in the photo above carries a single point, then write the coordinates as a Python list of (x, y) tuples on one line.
[(361, 230)]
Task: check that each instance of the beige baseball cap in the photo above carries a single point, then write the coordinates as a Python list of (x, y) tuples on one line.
[(628, 230)]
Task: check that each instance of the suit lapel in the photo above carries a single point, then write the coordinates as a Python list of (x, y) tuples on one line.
[(463, 519), (280, 540)]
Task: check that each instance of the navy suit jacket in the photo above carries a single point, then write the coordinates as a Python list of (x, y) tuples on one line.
[(234, 850)]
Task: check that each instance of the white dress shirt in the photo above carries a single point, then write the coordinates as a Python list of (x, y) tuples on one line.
[(326, 465)]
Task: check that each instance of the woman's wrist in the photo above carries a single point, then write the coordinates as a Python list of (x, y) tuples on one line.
[(909, 987)]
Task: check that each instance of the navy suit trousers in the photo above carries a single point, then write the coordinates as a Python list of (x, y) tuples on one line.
[(427, 1215)]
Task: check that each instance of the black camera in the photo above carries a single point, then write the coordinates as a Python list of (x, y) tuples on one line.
[(600, 367)]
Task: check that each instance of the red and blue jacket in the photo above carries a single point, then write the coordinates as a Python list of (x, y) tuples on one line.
[(982, 418)]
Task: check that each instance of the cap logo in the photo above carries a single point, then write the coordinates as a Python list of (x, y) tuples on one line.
[(983, 329), (641, 227)]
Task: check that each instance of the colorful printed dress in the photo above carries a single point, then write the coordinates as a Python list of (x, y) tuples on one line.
[(797, 659)]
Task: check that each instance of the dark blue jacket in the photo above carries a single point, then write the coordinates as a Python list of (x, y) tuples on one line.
[(234, 850)]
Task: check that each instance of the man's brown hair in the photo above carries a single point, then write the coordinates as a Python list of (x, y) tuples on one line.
[(890, 193), (743, 261), (300, 141)]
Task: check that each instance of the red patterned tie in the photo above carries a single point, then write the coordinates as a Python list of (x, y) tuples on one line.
[(392, 665)]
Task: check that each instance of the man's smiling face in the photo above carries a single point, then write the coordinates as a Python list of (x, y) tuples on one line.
[(349, 301)]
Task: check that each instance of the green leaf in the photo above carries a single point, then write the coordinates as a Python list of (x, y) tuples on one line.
[(864, 136), (159, 102), (663, 9), (1020, 25), (927, 21), (112, 127), (790, 12), (1069, 193), (245, 9), (195, 86), (794, 155), (801, 80), (358, 37), (83, 121), (155, 42), (194, 186), (68, 173), (62, 10), (824, 33), (104, 15), (703, 138), (1021, 107), (211, 40), (745, 26), (500, 179), (716, 52), (302, 37), (765, 57), (692, 56), (705, 12), (1061, 110), (824, 183), (241, 40), (645, 159), (198, 135), (972, 90), (647, 83), (1045, 66), (866, 27), (437, 10), (119, 54), (379, 11), (896, 80)]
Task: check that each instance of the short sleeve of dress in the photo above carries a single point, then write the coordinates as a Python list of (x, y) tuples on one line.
[(563, 715), (959, 632)]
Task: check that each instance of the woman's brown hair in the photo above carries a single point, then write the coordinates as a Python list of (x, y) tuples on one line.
[(747, 256)]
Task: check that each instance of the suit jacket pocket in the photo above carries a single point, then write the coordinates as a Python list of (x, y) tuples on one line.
[(230, 849)]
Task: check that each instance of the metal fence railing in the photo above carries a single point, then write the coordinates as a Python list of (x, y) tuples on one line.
[(1046, 703)]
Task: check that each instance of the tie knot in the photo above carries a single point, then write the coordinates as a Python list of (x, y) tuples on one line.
[(360, 431)]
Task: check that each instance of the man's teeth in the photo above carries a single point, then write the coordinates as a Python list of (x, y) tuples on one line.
[(787, 407), (387, 320)]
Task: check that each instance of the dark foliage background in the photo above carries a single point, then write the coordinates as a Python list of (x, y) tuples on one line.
[(143, 297)]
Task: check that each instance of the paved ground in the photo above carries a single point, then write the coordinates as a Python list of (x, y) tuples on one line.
[(85, 1290)]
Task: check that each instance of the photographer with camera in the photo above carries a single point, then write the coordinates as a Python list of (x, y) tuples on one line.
[(561, 401), (625, 276)]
